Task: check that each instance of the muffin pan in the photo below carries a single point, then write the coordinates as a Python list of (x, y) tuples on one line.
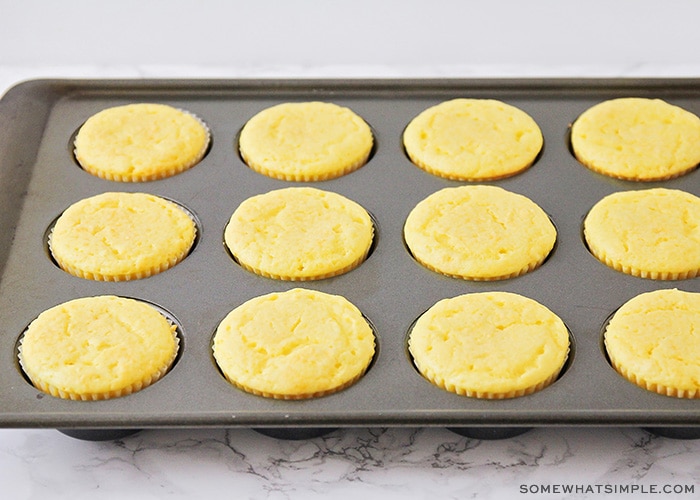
[(39, 178)]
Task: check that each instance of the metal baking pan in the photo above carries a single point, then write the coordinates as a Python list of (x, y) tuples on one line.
[(39, 178)]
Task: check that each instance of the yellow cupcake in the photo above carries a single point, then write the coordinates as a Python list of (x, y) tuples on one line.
[(479, 233), (140, 142), (97, 348), (650, 233), (299, 233), (637, 139), (121, 236), (473, 139), (306, 141), (652, 341), (491, 345), (294, 345)]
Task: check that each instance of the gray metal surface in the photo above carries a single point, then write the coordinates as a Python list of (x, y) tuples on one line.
[(39, 179)]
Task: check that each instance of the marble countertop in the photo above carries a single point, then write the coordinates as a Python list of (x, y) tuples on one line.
[(386, 463)]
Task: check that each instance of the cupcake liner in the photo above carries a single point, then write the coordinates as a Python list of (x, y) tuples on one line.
[(529, 268), (635, 178), (75, 396), (285, 277), (442, 383), (138, 178), (304, 177), (301, 396), (293, 397), (622, 267), (95, 276), (658, 388), (466, 178)]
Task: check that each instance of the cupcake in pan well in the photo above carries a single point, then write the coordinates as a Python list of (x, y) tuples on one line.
[(97, 348), (121, 236), (305, 141), (140, 142), (652, 341), (637, 139), (479, 233), (489, 345), (473, 140), (649, 233), (296, 344), (299, 234)]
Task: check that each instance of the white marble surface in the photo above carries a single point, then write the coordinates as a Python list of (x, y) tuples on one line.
[(395, 463), (386, 463)]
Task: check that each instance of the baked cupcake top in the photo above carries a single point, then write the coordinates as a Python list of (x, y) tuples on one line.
[(479, 233), (490, 345), (299, 233), (650, 233), (473, 139), (121, 236), (652, 341), (294, 345), (305, 141), (140, 142), (97, 348), (637, 139)]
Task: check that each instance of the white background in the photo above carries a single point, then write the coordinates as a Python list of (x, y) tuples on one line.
[(548, 36)]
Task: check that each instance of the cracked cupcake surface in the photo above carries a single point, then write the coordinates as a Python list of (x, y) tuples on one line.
[(479, 233), (299, 234), (140, 142), (473, 140), (652, 341), (650, 233), (489, 345), (95, 348), (637, 139), (121, 236), (305, 141), (296, 344)]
